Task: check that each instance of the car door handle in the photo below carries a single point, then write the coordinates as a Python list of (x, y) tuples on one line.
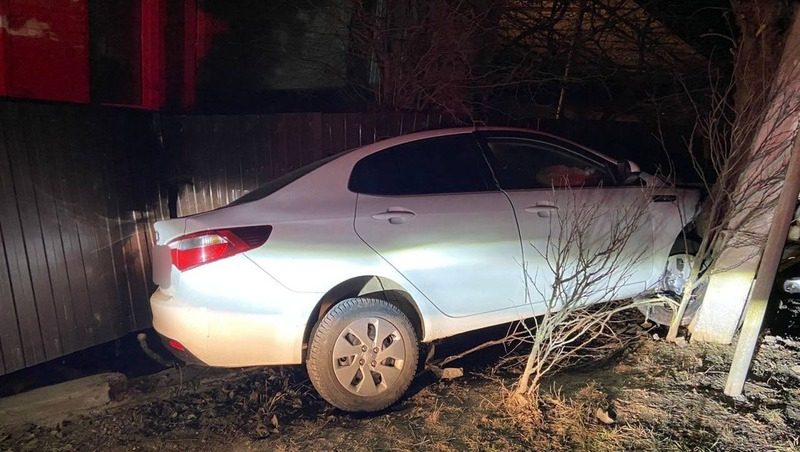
[(395, 215), (664, 198), (541, 209)]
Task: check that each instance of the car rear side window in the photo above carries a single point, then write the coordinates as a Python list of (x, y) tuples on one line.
[(522, 164), (451, 164)]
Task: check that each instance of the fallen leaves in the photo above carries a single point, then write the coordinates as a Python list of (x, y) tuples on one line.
[(448, 373), (603, 416)]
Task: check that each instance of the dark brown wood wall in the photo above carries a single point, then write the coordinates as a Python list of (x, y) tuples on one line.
[(81, 187), (66, 280)]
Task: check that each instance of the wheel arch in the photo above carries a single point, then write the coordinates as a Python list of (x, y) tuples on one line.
[(369, 286)]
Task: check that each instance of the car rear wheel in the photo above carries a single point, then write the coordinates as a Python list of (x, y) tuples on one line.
[(363, 355)]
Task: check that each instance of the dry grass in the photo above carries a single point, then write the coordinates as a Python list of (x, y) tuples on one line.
[(665, 398), (435, 413), (554, 421)]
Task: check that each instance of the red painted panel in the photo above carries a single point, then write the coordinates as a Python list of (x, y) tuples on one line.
[(153, 53), (47, 49), (115, 56), (3, 42), (208, 27), (189, 90), (200, 30)]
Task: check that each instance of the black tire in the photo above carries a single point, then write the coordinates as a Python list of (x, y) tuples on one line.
[(378, 379), (661, 313)]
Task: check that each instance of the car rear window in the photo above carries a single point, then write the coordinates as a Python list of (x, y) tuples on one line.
[(282, 181)]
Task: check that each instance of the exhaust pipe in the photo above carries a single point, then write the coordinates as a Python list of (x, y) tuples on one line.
[(142, 338)]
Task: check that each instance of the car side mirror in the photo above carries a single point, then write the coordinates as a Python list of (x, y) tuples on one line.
[(628, 171)]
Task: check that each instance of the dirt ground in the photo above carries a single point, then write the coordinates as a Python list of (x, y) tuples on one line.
[(662, 396)]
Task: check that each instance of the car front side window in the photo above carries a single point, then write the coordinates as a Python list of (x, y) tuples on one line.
[(523, 164)]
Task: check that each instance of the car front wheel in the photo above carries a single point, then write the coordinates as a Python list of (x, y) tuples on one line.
[(363, 355), (676, 275)]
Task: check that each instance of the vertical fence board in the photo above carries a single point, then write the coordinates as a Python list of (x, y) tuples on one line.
[(312, 132), (32, 240), (16, 253), (10, 342), (259, 145), (10, 337), (70, 237), (137, 260), (335, 126), (47, 164), (33, 214), (121, 279), (354, 130), (91, 211)]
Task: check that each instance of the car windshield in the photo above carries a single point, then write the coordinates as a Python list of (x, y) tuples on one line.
[(282, 181)]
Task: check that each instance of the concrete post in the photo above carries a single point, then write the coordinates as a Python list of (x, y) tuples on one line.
[(725, 297), (757, 306)]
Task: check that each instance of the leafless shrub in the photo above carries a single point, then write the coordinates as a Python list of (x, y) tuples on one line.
[(590, 255)]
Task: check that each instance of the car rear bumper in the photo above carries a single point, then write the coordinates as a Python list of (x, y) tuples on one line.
[(179, 351), (228, 339)]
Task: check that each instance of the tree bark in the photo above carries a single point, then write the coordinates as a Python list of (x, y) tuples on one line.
[(761, 38)]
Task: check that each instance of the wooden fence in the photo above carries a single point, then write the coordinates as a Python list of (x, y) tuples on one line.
[(81, 187), (71, 268)]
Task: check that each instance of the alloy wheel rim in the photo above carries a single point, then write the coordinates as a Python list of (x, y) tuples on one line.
[(679, 269), (368, 356)]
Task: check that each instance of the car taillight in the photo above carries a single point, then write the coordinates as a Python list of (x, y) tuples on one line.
[(203, 247)]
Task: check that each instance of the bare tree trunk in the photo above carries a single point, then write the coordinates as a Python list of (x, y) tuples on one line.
[(677, 318), (774, 104), (760, 45), (570, 57)]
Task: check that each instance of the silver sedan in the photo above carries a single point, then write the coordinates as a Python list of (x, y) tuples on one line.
[(348, 264)]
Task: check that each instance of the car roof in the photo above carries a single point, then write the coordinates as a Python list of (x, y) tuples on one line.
[(433, 133)]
